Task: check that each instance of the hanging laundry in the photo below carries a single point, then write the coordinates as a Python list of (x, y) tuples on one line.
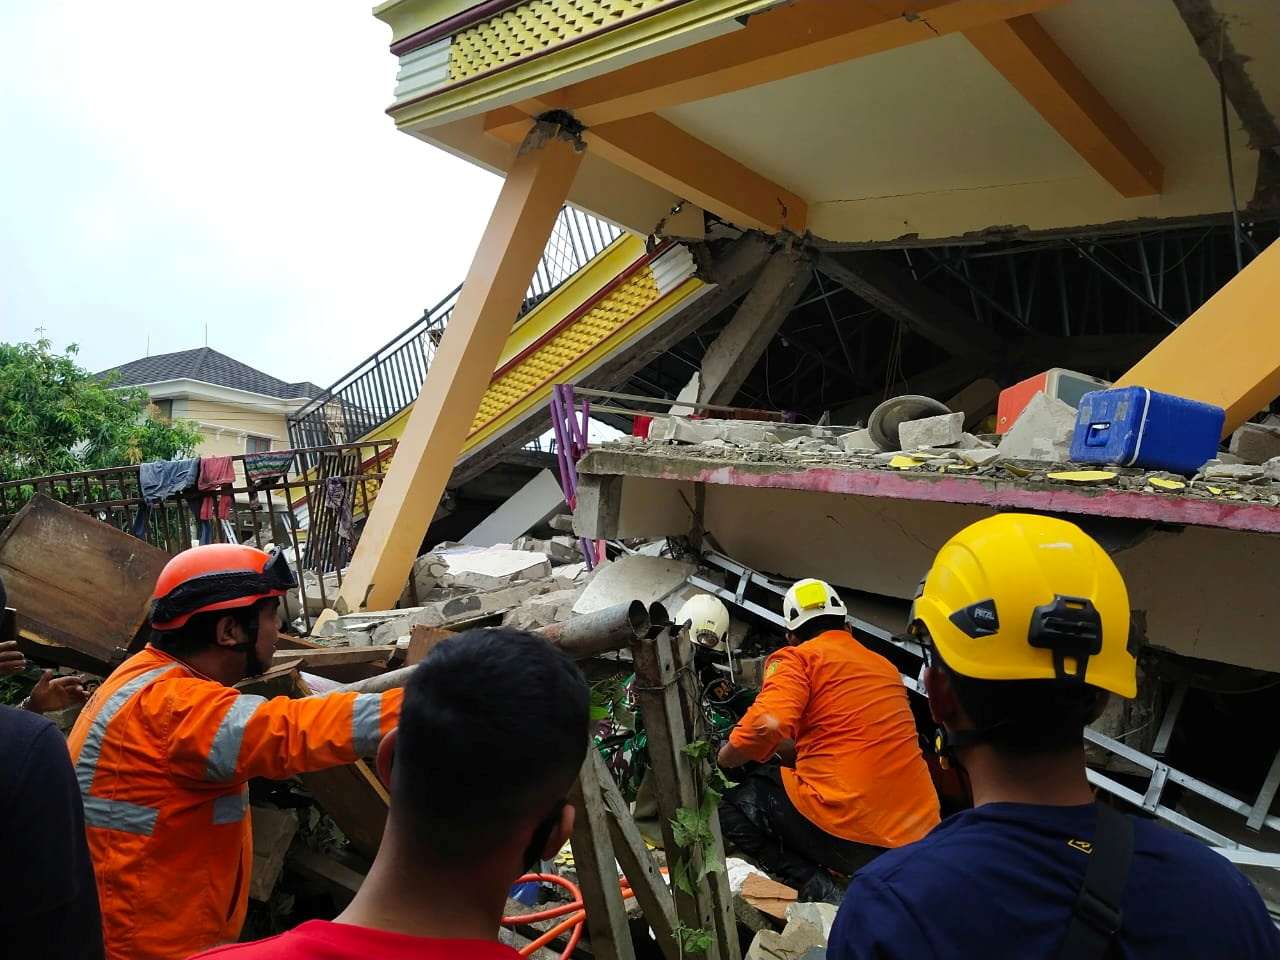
[(157, 480), (264, 469), (339, 498), (217, 474)]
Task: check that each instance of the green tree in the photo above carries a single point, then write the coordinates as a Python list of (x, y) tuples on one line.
[(57, 417)]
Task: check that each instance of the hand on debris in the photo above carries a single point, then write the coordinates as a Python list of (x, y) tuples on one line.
[(56, 693), (11, 659)]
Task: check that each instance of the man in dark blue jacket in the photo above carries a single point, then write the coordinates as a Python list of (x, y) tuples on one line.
[(1025, 625)]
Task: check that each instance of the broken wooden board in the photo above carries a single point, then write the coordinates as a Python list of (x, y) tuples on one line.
[(422, 640), (768, 896), (82, 588), (315, 658), (352, 795), (343, 881), (273, 831)]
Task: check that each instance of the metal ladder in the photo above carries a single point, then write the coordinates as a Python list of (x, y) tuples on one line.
[(1160, 773)]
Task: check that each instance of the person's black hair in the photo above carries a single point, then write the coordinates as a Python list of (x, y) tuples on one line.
[(200, 629), (493, 728), (1026, 717), (811, 628)]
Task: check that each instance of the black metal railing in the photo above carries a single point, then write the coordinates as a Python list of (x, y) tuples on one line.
[(388, 381), (320, 497)]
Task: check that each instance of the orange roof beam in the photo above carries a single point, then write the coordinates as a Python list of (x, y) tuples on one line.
[(660, 152), (788, 40), (1022, 50)]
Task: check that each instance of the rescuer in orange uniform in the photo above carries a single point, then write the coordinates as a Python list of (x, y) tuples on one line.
[(165, 749), (850, 781)]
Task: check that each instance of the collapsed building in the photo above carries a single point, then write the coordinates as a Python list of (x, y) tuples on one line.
[(797, 254)]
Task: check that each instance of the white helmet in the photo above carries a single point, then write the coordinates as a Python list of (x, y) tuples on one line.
[(808, 599), (708, 621)]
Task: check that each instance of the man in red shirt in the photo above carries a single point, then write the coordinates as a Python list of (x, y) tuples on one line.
[(850, 781), (493, 730)]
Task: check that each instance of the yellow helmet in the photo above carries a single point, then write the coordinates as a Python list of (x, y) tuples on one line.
[(1024, 597)]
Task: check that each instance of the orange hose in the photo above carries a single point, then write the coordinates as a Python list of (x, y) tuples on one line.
[(576, 921)]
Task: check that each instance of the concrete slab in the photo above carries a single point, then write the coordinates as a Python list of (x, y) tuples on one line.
[(502, 564), (647, 579), (531, 505)]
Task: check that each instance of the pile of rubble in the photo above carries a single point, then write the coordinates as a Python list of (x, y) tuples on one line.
[(1035, 449), (531, 584)]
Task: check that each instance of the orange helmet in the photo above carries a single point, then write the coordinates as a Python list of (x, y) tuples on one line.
[(217, 576)]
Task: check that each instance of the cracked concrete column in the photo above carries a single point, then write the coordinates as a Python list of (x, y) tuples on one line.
[(739, 346)]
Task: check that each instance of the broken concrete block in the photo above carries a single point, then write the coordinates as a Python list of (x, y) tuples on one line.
[(1271, 469), (542, 610), (969, 442), (564, 549), (561, 522), (979, 456), (859, 441), (799, 940), (1042, 431), (690, 431), (1233, 471), (457, 610), (747, 432), (1255, 443), (820, 915), (568, 575), (941, 431), (808, 445), (637, 577)]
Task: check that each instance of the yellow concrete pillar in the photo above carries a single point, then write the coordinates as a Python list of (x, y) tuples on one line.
[(521, 223), (1226, 353)]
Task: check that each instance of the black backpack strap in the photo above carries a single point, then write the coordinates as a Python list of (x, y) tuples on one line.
[(1096, 919)]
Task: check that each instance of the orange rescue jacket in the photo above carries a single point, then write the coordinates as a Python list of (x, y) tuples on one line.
[(163, 756), (859, 772)]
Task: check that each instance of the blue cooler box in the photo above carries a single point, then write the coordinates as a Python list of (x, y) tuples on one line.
[(1137, 427)]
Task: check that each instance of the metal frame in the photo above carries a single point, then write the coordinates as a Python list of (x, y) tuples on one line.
[(388, 381), (1161, 774)]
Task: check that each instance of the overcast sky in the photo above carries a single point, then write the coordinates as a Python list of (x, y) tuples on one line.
[(171, 167)]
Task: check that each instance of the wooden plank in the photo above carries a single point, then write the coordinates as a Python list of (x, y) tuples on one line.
[(715, 884), (336, 656), (594, 859), (422, 640), (325, 868), (658, 692), (638, 866), (60, 565)]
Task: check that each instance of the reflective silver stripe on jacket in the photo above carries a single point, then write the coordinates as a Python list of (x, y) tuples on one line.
[(366, 723), (87, 763), (225, 751), (231, 807), (119, 815)]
